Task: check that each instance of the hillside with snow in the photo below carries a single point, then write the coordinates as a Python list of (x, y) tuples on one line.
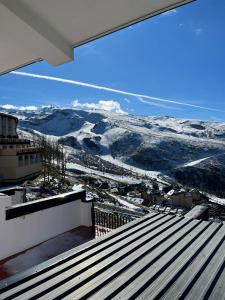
[(191, 152)]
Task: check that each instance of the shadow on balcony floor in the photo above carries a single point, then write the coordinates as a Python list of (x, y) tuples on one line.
[(44, 251)]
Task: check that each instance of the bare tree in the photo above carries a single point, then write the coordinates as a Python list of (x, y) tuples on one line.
[(53, 160)]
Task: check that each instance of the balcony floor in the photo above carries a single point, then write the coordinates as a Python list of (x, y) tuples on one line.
[(44, 251)]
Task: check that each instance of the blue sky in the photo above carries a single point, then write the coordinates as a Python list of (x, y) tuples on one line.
[(177, 56)]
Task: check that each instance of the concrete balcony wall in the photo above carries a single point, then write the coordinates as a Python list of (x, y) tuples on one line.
[(17, 194), (40, 220)]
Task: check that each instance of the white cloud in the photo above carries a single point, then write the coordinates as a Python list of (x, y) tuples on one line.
[(109, 105), (46, 106), (198, 31), (169, 12), (10, 106), (103, 88), (127, 100)]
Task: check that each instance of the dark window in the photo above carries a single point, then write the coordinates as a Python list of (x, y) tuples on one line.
[(26, 160), (20, 161), (31, 158)]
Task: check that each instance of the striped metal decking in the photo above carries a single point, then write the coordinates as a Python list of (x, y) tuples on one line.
[(155, 257)]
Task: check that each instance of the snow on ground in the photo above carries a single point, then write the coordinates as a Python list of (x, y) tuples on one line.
[(109, 158), (126, 203), (170, 141), (135, 200), (123, 179), (84, 132), (196, 162), (77, 187), (215, 199), (161, 178), (111, 136)]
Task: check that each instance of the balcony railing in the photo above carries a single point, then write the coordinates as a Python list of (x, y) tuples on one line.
[(105, 222), (27, 150), (14, 141)]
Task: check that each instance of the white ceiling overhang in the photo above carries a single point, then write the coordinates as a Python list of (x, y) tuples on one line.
[(34, 30)]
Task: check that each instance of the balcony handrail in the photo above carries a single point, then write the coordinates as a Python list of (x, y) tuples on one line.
[(23, 209), (27, 150), (14, 140)]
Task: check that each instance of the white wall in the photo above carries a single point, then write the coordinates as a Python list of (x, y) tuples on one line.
[(17, 198), (24, 232)]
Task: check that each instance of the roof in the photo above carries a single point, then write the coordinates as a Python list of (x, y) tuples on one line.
[(176, 192), (48, 30), (197, 211), (8, 116), (158, 256)]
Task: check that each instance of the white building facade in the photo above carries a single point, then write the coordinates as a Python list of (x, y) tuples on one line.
[(18, 159)]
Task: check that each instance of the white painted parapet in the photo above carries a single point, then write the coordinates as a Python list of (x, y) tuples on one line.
[(26, 225), (17, 194)]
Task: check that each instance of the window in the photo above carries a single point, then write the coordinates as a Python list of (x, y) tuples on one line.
[(20, 160), (31, 158), (26, 160), (37, 159)]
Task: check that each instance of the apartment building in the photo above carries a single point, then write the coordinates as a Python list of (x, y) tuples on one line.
[(18, 159)]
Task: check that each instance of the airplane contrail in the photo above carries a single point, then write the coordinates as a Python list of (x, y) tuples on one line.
[(99, 87)]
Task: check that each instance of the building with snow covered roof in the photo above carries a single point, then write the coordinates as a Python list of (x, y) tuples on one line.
[(18, 159), (180, 198)]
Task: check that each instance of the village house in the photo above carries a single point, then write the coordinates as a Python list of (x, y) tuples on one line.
[(179, 198), (152, 197)]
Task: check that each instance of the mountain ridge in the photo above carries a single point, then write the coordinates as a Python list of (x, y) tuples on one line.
[(162, 144)]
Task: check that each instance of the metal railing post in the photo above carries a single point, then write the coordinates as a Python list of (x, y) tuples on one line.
[(93, 217)]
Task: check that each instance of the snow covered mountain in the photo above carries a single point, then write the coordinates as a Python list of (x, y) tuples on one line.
[(191, 151)]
